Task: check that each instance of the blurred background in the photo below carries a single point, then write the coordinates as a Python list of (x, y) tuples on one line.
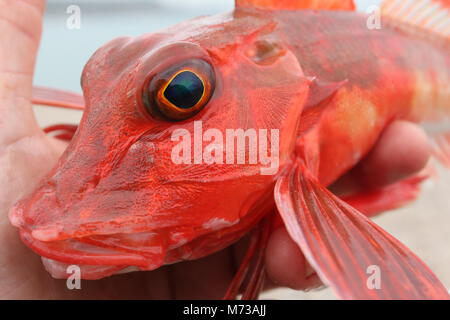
[(64, 51), (423, 226)]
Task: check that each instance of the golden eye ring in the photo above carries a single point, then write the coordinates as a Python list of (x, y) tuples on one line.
[(181, 91)]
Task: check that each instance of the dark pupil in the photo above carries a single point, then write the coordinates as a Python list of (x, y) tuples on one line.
[(185, 90)]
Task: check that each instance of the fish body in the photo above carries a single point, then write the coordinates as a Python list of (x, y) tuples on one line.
[(390, 74), (323, 80)]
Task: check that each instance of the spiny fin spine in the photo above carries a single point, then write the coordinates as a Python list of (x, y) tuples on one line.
[(428, 16), (298, 4)]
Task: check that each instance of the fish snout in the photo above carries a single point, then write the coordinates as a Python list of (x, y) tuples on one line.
[(32, 212), (97, 256)]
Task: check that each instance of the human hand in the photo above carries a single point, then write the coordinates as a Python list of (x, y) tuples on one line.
[(26, 154)]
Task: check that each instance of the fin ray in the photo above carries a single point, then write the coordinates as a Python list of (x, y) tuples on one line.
[(430, 16), (440, 145), (342, 244), (57, 98)]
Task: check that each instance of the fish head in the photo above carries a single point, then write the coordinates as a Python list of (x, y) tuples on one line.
[(183, 137)]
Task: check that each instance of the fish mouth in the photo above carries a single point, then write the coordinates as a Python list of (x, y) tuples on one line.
[(96, 256), (62, 270)]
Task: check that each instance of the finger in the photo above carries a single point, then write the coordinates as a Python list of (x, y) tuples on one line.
[(286, 265), (401, 151), (20, 23), (206, 278)]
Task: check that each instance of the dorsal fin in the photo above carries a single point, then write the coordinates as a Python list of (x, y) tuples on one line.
[(425, 16), (298, 4)]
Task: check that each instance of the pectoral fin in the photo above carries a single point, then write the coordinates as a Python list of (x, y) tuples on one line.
[(57, 98), (350, 253), (390, 197)]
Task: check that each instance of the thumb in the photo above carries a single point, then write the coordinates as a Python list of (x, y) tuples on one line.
[(21, 26)]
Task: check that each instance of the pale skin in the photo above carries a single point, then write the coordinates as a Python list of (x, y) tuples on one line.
[(26, 154)]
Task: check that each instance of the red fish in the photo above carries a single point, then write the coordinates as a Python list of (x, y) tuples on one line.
[(314, 74)]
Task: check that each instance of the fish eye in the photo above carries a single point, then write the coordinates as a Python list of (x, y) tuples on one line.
[(185, 90), (181, 91)]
